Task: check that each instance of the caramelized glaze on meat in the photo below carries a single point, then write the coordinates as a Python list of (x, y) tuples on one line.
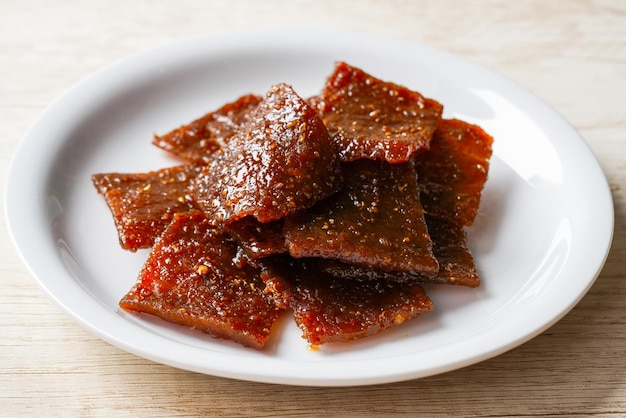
[(375, 221), (371, 118), (191, 278), (328, 309), (282, 162), (257, 239), (143, 204), (456, 264), (454, 171), (199, 139), (337, 208)]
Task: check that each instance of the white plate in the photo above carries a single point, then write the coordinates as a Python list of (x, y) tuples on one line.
[(541, 238)]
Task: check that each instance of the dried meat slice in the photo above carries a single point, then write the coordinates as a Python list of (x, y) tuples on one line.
[(200, 138), (191, 278), (456, 263), (143, 204), (328, 309), (454, 170), (375, 221), (257, 239), (282, 161), (343, 270), (371, 118)]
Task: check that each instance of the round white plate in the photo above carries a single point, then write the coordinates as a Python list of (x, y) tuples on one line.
[(544, 229)]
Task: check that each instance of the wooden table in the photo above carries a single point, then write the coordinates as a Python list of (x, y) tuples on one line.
[(570, 53)]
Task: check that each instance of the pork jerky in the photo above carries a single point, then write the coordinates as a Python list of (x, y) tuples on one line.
[(282, 161), (191, 278), (328, 309), (200, 138), (453, 172), (256, 239), (456, 263), (371, 118), (143, 204), (375, 221)]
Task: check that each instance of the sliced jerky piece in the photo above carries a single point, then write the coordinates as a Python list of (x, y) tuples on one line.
[(329, 309), (453, 172), (375, 221), (190, 279), (199, 139), (343, 270), (143, 204), (282, 162), (371, 118), (456, 264), (258, 239)]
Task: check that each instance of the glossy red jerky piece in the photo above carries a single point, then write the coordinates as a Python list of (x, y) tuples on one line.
[(199, 139), (454, 171), (143, 204), (283, 161), (258, 239), (375, 221), (328, 309), (371, 118), (190, 279)]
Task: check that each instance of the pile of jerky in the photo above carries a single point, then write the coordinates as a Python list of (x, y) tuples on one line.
[(336, 208)]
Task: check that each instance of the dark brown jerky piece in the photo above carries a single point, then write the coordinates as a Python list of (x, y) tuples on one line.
[(329, 309), (454, 171), (371, 118), (190, 279), (283, 161), (343, 270), (143, 204), (456, 264), (199, 139), (375, 221), (258, 239)]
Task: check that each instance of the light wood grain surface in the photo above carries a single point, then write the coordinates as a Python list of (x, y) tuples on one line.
[(572, 54)]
